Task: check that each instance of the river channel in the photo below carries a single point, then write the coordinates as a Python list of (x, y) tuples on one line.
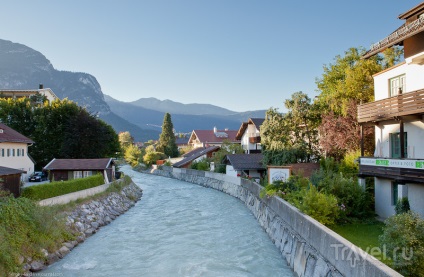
[(177, 229)]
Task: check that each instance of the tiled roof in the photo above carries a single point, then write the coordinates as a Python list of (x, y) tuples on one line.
[(208, 136), (246, 161), (78, 164), (194, 154), (181, 141), (7, 134), (9, 171), (255, 121)]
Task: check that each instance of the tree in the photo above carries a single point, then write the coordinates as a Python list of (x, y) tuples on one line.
[(292, 137), (166, 142), (227, 148), (125, 139), (133, 155)]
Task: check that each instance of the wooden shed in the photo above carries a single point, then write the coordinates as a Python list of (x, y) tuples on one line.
[(10, 180)]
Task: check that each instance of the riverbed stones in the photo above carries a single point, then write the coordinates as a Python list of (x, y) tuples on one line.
[(36, 266)]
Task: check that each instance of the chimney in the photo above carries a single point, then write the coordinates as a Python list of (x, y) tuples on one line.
[(215, 130), (40, 86)]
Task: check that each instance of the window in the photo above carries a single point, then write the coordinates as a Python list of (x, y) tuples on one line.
[(394, 141), (77, 174), (13, 152), (8, 152), (87, 173), (395, 194), (19, 152), (396, 84), (23, 152), (2, 152)]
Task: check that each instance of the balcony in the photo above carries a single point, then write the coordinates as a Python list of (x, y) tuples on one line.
[(256, 139), (401, 170), (406, 104)]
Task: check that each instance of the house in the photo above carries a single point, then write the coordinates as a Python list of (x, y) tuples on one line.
[(215, 137), (14, 151), (249, 135), (197, 154), (242, 165), (68, 169), (398, 116), (10, 180), (15, 93)]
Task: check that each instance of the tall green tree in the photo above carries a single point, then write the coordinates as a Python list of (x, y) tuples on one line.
[(291, 137), (166, 143)]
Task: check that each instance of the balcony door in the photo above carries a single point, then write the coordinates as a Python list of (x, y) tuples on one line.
[(396, 84), (395, 145)]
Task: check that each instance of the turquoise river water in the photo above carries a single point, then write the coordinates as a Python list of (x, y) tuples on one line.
[(177, 229)]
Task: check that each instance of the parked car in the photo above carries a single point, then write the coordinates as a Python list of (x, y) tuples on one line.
[(38, 176)]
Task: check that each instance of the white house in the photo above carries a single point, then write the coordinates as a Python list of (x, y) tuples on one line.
[(249, 135), (17, 93), (398, 116), (215, 137), (14, 150)]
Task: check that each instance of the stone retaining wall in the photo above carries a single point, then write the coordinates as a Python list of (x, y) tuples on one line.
[(310, 248), (86, 219)]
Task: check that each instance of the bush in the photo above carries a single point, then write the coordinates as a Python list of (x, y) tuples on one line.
[(26, 228), (151, 157), (200, 165), (403, 240), (402, 206), (53, 189), (322, 207)]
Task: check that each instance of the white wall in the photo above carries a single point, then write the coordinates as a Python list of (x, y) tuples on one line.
[(414, 79), (230, 171), (250, 131), (21, 162), (416, 196), (383, 198), (415, 135)]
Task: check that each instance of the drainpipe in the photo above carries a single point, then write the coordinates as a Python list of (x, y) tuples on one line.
[(402, 139)]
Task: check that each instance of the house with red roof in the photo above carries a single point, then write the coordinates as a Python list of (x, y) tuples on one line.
[(215, 137), (68, 169), (14, 151)]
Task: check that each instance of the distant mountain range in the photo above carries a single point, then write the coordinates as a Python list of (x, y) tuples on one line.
[(22, 67)]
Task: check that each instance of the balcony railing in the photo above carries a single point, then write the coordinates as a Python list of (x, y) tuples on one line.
[(403, 170), (410, 103)]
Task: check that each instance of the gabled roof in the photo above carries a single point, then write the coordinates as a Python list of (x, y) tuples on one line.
[(194, 154), (10, 171), (79, 164), (209, 136), (405, 31), (7, 134), (255, 121), (181, 141), (245, 161)]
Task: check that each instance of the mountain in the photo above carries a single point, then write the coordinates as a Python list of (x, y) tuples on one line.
[(149, 118), (179, 108), (21, 67)]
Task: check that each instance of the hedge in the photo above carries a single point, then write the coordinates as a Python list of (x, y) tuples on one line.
[(44, 191)]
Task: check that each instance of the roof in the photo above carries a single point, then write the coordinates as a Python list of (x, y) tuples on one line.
[(255, 121), (181, 141), (79, 164), (194, 154), (9, 171), (7, 134), (209, 136), (405, 31), (27, 92), (245, 161)]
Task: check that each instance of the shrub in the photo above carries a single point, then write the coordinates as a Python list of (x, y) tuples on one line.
[(53, 189), (322, 207), (200, 165), (403, 240), (26, 228), (151, 157), (402, 206)]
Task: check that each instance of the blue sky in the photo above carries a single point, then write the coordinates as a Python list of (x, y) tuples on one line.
[(238, 54)]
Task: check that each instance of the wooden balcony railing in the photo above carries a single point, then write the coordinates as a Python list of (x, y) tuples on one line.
[(409, 103)]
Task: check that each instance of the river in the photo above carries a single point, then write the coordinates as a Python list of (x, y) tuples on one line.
[(177, 229)]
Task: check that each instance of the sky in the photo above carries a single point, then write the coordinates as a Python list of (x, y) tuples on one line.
[(238, 54)]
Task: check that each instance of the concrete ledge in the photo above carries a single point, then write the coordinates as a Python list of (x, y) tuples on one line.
[(309, 247)]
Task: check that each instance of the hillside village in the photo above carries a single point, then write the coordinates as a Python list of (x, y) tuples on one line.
[(352, 155)]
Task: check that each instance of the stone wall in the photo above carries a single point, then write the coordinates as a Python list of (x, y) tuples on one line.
[(310, 248), (86, 219)]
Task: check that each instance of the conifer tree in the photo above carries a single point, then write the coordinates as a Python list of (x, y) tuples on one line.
[(166, 142)]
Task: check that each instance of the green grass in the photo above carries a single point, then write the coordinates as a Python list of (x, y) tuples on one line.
[(363, 235)]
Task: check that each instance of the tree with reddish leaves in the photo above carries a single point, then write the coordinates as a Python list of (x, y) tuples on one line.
[(342, 134)]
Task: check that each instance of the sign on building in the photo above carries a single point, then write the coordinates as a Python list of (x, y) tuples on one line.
[(278, 173)]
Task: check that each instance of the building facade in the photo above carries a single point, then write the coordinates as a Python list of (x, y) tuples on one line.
[(398, 116)]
